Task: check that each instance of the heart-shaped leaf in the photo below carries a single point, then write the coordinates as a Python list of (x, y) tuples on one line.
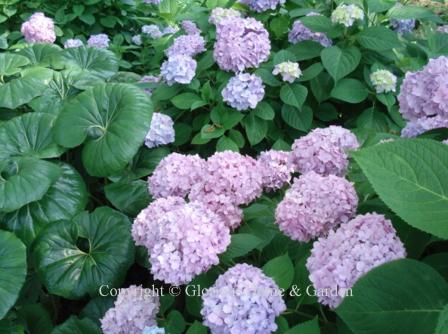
[(41, 54), (294, 95), (74, 258), (29, 135), (25, 180), (63, 200), (112, 120), (12, 270), (11, 64), (19, 91), (129, 197), (403, 296), (340, 62)]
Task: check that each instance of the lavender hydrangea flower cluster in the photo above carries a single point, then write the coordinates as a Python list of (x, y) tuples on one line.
[(289, 71), (243, 91), (404, 26), (186, 45), (241, 44), (38, 29), (153, 330), (339, 260), (175, 175), (242, 300), (73, 43), (229, 180), (137, 39), (314, 205), (276, 170), (262, 5), (161, 131), (152, 31), (416, 127), (347, 15), (425, 93), (323, 151), (190, 27), (98, 41), (300, 32), (178, 69), (184, 241), (443, 29), (152, 2), (220, 14), (383, 81), (134, 310)]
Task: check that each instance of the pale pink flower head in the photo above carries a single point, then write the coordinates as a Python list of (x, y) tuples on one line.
[(276, 170), (340, 259), (38, 29)]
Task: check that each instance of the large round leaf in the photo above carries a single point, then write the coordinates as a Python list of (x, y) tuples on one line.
[(403, 296), (29, 135), (112, 120), (40, 54), (75, 325), (12, 270), (20, 91), (63, 200), (25, 180), (74, 258), (98, 62), (10, 64)]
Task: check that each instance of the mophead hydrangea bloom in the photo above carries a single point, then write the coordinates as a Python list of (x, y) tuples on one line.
[(242, 300), (134, 309), (153, 330), (290, 71), (152, 31), (73, 43), (219, 14), (234, 175), (418, 126), (161, 131), (347, 14), (137, 39), (300, 33), (190, 27), (383, 81), (404, 26), (340, 259), (98, 41), (443, 29), (262, 5), (152, 2), (241, 43), (176, 174), (221, 204), (243, 91), (187, 45), (38, 29), (185, 242), (425, 93), (323, 150), (445, 141), (178, 69), (314, 205), (276, 169), (170, 30), (142, 233)]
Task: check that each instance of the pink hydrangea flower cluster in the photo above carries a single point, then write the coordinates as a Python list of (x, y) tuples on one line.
[(38, 29), (424, 95), (187, 45), (242, 300), (134, 309), (183, 241), (175, 175), (276, 170), (98, 41), (229, 180), (314, 205), (243, 91), (161, 131), (323, 151), (416, 127), (73, 43), (339, 260), (241, 43), (262, 5), (178, 69)]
